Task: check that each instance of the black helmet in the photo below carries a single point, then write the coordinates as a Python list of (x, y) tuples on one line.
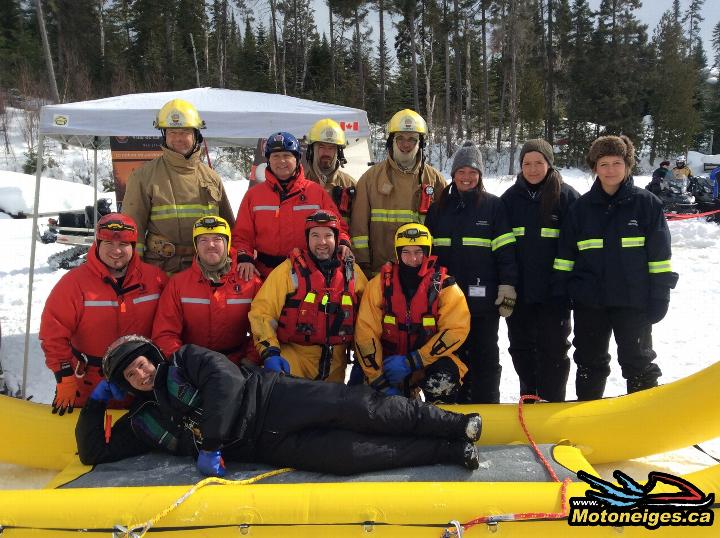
[(122, 352)]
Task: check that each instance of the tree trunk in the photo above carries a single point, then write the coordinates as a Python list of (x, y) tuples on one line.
[(458, 71), (486, 79), (361, 75), (274, 41), (468, 82), (513, 84), (383, 52), (550, 78), (197, 71), (46, 51), (101, 28), (332, 53), (413, 57), (448, 114)]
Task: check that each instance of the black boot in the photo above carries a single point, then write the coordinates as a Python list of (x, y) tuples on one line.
[(473, 428), (589, 384)]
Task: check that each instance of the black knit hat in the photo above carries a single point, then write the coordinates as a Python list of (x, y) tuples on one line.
[(468, 155), (612, 146), (539, 145)]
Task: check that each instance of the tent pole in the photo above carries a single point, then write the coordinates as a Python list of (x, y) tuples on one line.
[(95, 210), (31, 278)]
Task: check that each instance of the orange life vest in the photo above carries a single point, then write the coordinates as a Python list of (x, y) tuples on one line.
[(318, 313), (406, 328)]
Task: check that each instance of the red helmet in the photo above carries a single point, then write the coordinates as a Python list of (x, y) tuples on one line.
[(116, 226)]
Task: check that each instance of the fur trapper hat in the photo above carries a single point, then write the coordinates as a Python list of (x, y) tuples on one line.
[(606, 146), (468, 155), (539, 145)]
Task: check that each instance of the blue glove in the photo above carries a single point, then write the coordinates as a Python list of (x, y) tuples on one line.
[(210, 463), (398, 367), (276, 363), (105, 390)]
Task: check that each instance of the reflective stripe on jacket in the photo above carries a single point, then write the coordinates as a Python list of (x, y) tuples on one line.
[(265, 314), (166, 196), (452, 326), (473, 239), (84, 311), (272, 222), (615, 250), (536, 242), (386, 198), (193, 310)]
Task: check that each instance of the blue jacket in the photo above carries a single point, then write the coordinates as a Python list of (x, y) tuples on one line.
[(615, 250)]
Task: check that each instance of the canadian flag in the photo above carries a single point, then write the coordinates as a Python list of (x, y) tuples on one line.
[(350, 126)]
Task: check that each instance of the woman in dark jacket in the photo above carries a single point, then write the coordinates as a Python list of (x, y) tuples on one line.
[(202, 405), (614, 264), (473, 239), (539, 329)]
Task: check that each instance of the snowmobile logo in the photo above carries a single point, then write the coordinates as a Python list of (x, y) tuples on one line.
[(677, 502)]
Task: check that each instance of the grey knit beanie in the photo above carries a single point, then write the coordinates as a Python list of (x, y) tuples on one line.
[(539, 145), (468, 155)]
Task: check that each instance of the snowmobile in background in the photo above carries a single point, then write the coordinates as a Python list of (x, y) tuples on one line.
[(676, 197), (75, 228), (706, 196)]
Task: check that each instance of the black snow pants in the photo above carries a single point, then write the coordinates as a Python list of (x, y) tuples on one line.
[(538, 335), (481, 354), (333, 428), (633, 336)]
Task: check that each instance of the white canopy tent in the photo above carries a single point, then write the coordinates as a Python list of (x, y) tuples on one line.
[(233, 118)]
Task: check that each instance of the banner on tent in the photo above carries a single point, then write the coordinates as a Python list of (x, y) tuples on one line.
[(128, 153)]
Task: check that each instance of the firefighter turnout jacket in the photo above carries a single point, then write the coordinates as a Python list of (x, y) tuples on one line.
[(308, 315), (615, 250), (194, 310), (165, 197), (435, 323), (339, 185), (88, 309), (387, 197), (271, 221)]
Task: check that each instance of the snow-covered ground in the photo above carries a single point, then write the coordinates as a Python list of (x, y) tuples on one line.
[(684, 340)]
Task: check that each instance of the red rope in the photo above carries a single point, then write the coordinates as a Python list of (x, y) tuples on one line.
[(565, 509), (686, 216)]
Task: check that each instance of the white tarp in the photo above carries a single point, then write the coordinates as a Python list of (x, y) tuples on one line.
[(233, 117)]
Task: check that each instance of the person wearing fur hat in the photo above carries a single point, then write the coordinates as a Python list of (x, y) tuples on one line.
[(613, 263), (537, 204), (473, 239), (111, 294), (198, 404)]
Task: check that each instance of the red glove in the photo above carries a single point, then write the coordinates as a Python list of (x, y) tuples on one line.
[(66, 390)]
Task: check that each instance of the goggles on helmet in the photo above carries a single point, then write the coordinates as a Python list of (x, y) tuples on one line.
[(210, 223), (412, 234), (111, 229)]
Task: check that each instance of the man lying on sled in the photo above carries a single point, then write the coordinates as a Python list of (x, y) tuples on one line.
[(200, 404)]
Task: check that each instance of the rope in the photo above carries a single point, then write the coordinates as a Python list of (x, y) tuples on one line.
[(686, 216), (138, 530), (457, 530)]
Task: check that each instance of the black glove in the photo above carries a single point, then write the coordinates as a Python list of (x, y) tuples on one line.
[(656, 310)]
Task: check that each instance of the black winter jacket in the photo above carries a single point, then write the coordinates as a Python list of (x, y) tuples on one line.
[(199, 401), (615, 250), (475, 243), (536, 244)]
